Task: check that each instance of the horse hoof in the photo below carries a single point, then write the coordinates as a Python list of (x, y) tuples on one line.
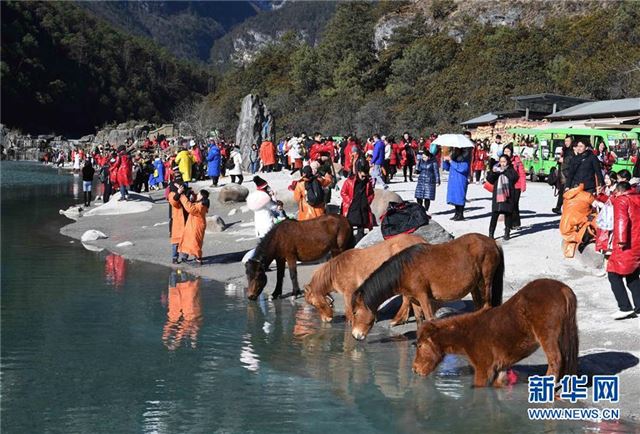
[(275, 296)]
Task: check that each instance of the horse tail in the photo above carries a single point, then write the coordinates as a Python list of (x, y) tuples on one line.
[(382, 283), (569, 341), (497, 284), (351, 240)]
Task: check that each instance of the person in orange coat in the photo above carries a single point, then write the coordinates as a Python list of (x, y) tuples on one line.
[(178, 216), (268, 156), (184, 316), (577, 219), (306, 211), (193, 236)]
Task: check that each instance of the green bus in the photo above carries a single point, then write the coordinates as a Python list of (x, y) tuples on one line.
[(547, 144)]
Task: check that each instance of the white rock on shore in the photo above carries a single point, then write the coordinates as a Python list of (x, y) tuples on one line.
[(92, 235)]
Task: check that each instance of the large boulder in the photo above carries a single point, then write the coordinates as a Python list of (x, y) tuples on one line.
[(381, 201), (233, 193), (256, 125), (433, 233)]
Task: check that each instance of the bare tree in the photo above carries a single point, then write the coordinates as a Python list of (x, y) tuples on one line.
[(195, 119)]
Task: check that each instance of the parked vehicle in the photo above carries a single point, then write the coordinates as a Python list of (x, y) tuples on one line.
[(547, 144)]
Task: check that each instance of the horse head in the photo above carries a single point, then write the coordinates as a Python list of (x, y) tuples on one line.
[(428, 352), (256, 278), (324, 303), (363, 317)]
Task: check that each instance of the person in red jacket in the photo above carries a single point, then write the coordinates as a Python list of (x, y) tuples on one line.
[(351, 153), (480, 158), (268, 156), (394, 158), (606, 157), (321, 149), (521, 184), (357, 194), (113, 172), (624, 262), (124, 172)]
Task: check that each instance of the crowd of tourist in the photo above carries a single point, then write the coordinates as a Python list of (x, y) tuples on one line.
[(595, 202)]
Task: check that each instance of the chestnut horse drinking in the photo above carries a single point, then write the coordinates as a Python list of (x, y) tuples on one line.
[(473, 263), (346, 272), (542, 313), (291, 241)]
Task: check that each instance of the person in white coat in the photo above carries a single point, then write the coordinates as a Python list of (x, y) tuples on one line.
[(236, 171), (295, 154)]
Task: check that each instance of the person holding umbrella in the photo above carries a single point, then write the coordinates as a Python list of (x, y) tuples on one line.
[(461, 147)]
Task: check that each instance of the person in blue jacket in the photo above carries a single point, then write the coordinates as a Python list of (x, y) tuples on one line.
[(213, 164), (156, 179), (378, 161), (458, 180)]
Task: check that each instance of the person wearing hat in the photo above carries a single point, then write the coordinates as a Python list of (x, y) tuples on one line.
[(307, 208), (357, 194)]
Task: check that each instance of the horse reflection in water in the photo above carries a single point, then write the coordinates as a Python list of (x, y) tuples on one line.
[(115, 270), (184, 317)]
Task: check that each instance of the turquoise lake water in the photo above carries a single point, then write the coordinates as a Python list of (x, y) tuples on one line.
[(93, 343)]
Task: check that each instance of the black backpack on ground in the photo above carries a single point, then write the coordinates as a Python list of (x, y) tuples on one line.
[(402, 218), (315, 194)]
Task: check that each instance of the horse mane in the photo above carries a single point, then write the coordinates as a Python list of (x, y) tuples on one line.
[(382, 283), (263, 245), (322, 277)]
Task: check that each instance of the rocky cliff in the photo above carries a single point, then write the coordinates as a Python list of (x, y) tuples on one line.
[(453, 16)]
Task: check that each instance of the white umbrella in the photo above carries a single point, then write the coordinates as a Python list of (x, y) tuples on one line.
[(453, 141)]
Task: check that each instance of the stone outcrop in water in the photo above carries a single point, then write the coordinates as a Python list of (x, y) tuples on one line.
[(256, 125)]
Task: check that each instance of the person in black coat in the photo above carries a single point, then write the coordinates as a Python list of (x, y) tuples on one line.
[(87, 181), (564, 161), (584, 169), (503, 177)]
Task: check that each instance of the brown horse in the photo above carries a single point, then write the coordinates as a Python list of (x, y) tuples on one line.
[(543, 313), (473, 263), (346, 272), (292, 241)]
